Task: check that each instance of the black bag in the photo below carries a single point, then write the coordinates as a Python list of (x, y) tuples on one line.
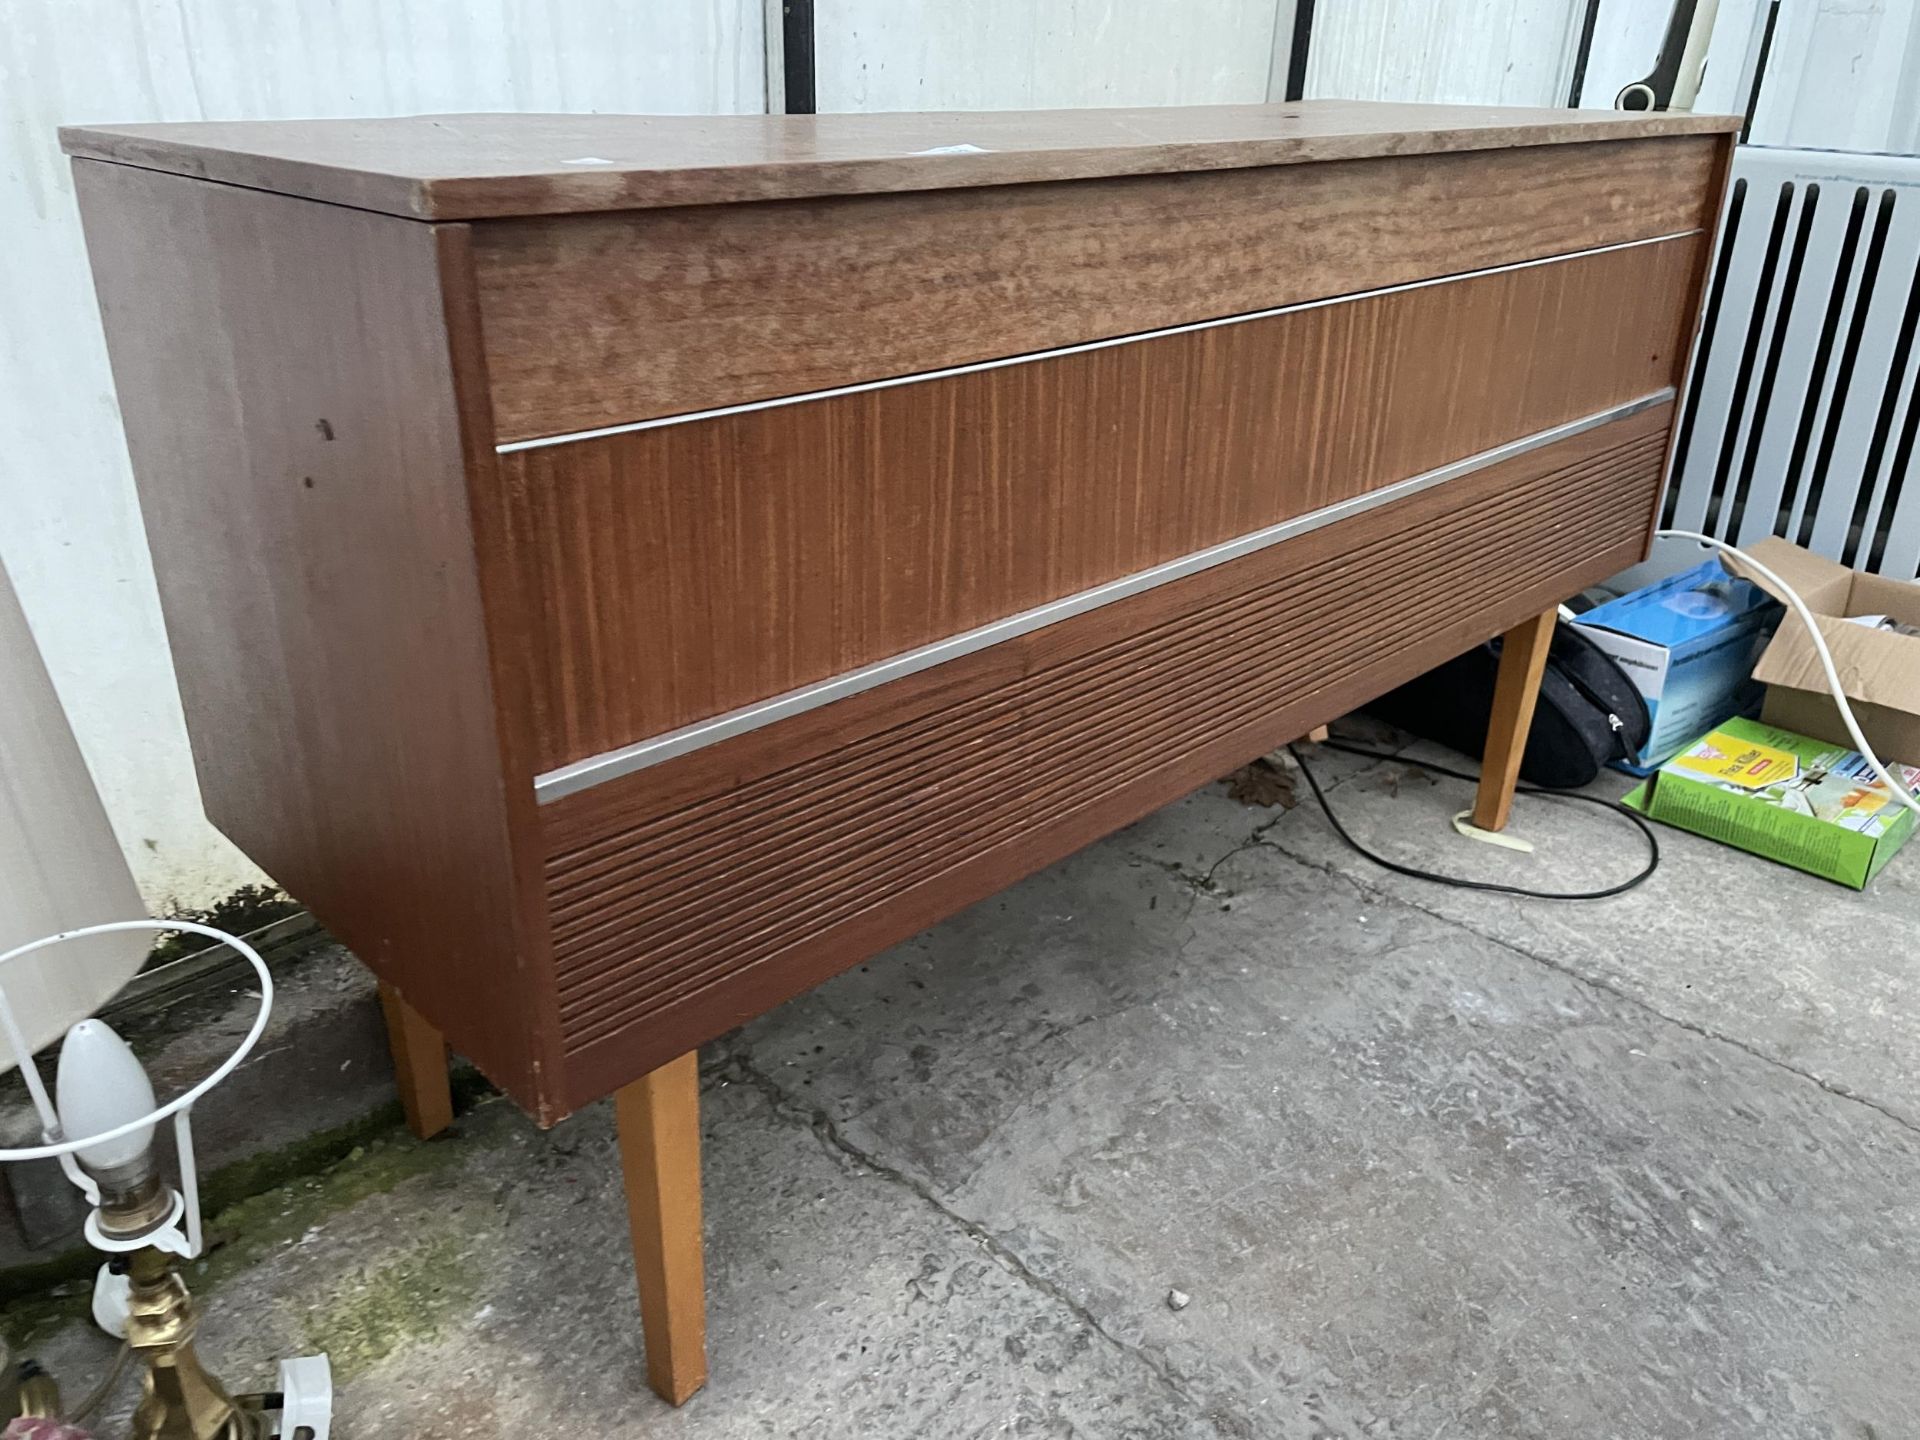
[(1589, 713)]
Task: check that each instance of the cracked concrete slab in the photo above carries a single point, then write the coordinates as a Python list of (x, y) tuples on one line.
[(1816, 977), (1415, 1182), (490, 1294), (1425, 1166), (1192, 834)]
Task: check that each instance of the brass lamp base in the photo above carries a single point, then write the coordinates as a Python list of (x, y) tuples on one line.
[(179, 1398)]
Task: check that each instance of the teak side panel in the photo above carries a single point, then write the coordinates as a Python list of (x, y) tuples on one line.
[(286, 378), (601, 320), (677, 573), (690, 898)]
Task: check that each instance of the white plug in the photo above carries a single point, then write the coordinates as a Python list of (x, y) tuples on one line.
[(306, 1398)]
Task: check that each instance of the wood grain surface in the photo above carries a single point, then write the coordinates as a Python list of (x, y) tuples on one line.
[(1516, 691), (420, 1062), (383, 629), (446, 167), (691, 897), (286, 376), (658, 1125), (600, 320), (676, 573)]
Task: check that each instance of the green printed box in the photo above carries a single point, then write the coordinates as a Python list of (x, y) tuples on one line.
[(1803, 802)]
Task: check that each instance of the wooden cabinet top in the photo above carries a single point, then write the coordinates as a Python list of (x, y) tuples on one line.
[(461, 167)]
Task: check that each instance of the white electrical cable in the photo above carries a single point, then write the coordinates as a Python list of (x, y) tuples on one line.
[(1787, 592)]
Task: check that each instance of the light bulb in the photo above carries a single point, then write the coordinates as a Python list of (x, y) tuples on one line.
[(100, 1087)]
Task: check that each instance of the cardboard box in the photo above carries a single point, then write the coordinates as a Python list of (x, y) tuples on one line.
[(1791, 798), (1689, 642), (1879, 670)]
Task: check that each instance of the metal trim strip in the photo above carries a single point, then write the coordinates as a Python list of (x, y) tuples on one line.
[(541, 442), (612, 764)]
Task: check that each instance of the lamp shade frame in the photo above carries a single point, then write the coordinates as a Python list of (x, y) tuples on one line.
[(54, 1149)]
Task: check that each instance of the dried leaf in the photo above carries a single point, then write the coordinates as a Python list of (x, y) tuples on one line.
[(1263, 783), (1391, 777)]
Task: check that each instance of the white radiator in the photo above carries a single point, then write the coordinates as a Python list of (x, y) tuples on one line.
[(1800, 419)]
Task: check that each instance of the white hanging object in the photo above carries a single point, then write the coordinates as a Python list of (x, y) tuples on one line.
[(60, 866)]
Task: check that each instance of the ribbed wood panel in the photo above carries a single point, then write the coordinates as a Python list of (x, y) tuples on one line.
[(689, 897), (678, 573)]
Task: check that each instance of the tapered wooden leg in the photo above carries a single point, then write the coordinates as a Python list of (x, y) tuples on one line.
[(658, 1117), (1523, 658), (419, 1066)]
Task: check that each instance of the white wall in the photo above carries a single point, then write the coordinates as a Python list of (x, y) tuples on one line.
[(1626, 40), (1840, 75), (1489, 52), (69, 528), (1843, 75), (1040, 54)]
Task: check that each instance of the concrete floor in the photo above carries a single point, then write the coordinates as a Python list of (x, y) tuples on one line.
[(1429, 1163)]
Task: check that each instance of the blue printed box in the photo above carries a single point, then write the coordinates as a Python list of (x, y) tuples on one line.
[(1690, 642)]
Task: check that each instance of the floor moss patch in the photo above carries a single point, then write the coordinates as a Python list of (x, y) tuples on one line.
[(243, 1231), (405, 1300), (250, 1229)]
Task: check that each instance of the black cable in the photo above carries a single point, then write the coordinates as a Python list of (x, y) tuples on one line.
[(800, 80), (1298, 50), (1646, 830), (1760, 70), (1583, 54)]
